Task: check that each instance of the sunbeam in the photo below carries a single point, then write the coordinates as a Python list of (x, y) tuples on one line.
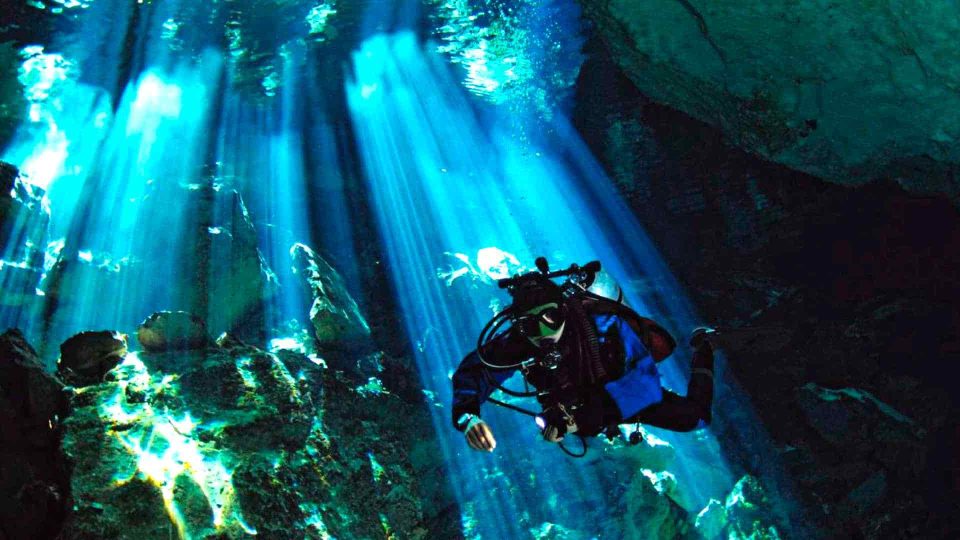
[(446, 178)]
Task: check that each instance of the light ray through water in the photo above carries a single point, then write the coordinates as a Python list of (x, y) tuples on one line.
[(441, 180)]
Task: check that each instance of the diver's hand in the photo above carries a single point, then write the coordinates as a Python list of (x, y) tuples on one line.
[(479, 436), (556, 423), (555, 434)]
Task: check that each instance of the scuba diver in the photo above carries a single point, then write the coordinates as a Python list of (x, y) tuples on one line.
[(591, 360)]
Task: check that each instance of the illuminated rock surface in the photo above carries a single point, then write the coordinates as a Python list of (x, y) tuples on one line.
[(847, 91), (239, 441), (335, 315)]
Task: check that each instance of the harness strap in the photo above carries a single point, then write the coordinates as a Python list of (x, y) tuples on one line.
[(512, 407)]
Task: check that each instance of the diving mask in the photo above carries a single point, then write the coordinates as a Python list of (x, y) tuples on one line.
[(542, 324)]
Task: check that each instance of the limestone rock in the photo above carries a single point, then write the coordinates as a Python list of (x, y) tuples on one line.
[(228, 443), (33, 475), (335, 315), (749, 512), (554, 531), (238, 279), (12, 102), (228, 341), (847, 91), (23, 234), (88, 356), (855, 419), (712, 520), (85, 271), (212, 268), (662, 518), (168, 330)]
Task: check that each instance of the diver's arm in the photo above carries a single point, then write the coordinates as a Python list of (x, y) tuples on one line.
[(473, 382), (470, 390)]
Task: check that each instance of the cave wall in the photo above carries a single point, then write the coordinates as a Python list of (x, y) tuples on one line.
[(843, 301), (846, 91)]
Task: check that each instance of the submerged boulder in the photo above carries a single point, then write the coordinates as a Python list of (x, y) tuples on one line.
[(88, 356), (167, 330), (33, 474), (335, 315), (846, 91)]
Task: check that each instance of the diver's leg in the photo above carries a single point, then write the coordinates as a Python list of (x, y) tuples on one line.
[(679, 413), (700, 388), (674, 412)]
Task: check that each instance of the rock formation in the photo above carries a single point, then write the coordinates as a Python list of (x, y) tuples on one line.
[(172, 330), (843, 303), (88, 356), (23, 236), (846, 91), (213, 268), (237, 442), (335, 315), (34, 484)]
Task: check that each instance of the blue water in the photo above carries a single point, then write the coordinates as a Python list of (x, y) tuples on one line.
[(459, 140)]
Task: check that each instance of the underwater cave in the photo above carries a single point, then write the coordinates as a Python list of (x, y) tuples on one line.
[(262, 262)]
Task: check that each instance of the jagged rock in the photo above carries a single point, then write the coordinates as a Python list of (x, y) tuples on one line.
[(33, 475), (87, 356), (662, 518), (711, 522), (229, 341), (864, 498), (848, 91), (12, 102), (554, 531), (168, 330), (855, 419), (73, 273), (23, 218), (232, 442), (334, 313), (212, 267), (34, 396), (23, 231), (749, 512), (239, 280)]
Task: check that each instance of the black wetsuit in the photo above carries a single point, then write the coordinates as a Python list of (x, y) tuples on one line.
[(624, 389)]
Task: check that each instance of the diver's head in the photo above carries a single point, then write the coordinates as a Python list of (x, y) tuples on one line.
[(539, 313), (542, 325)]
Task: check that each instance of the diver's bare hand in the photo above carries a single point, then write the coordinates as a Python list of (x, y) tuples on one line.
[(479, 437)]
